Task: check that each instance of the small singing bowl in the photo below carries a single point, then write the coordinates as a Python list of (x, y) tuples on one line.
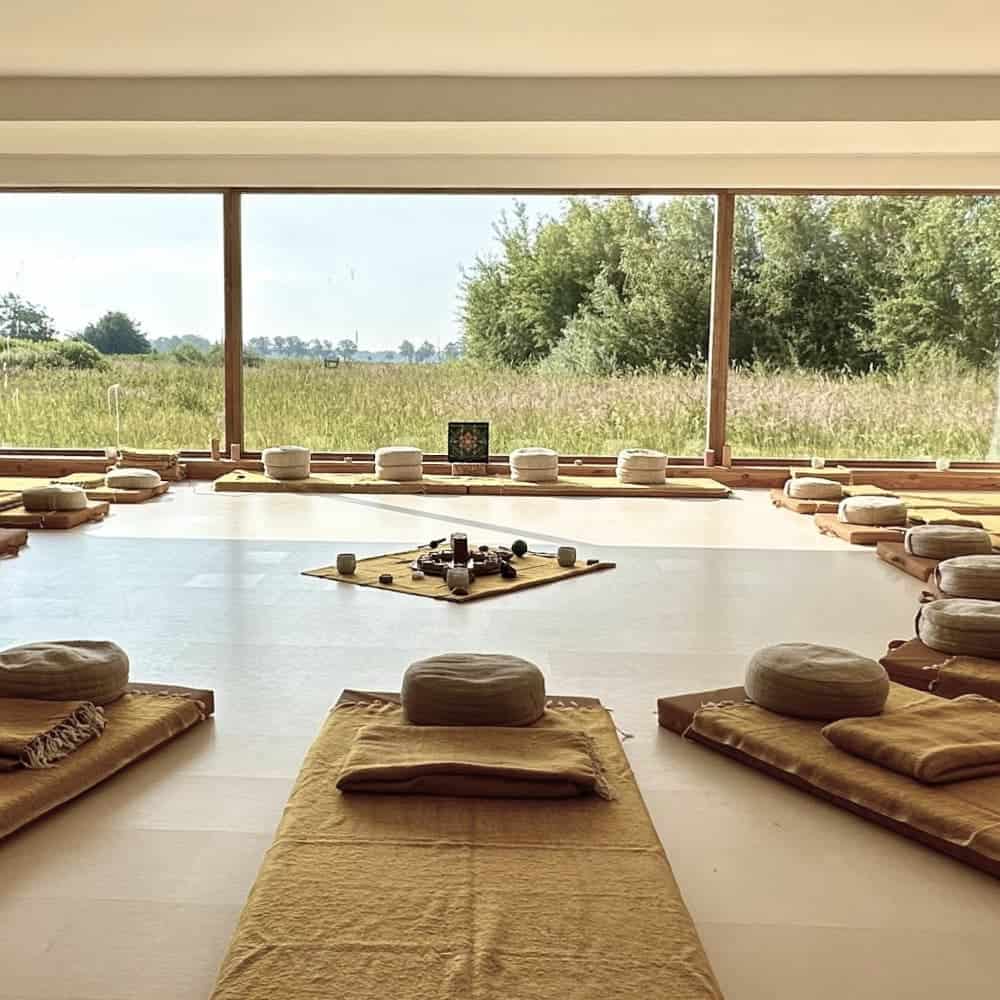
[(566, 555), (346, 563)]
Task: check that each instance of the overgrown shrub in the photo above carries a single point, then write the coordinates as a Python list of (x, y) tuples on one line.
[(71, 354)]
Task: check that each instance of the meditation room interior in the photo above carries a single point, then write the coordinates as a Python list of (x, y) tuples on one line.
[(499, 502)]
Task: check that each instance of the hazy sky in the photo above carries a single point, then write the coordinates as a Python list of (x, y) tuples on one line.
[(313, 265)]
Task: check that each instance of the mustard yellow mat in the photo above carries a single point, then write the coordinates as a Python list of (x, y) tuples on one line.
[(960, 501), (532, 571), (18, 484), (411, 897), (247, 481)]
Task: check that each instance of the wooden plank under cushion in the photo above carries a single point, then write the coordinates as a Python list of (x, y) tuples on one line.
[(799, 506), (18, 517), (895, 554), (857, 534)]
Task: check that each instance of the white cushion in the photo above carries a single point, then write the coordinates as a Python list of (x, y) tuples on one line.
[(400, 473), (641, 458), (286, 456), (813, 488), (58, 496), (550, 475), (945, 541), (882, 511), (133, 479), (641, 477), (816, 682), (534, 458), (961, 626), (287, 472), (399, 454), (976, 576)]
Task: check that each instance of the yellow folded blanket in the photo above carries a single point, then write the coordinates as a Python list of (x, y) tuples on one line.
[(39, 733), (473, 761), (935, 741)]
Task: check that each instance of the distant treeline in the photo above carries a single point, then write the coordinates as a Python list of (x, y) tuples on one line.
[(826, 283)]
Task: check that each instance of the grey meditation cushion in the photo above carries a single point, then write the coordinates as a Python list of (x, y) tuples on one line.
[(645, 459), (945, 541), (133, 479), (961, 626), (874, 511), (58, 496), (813, 488), (77, 670), (975, 576), (816, 682), (473, 689)]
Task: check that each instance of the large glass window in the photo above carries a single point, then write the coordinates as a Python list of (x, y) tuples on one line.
[(865, 327), (577, 323), (111, 320)]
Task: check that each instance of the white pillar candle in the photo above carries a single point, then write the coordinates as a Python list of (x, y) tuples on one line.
[(943, 464), (817, 463)]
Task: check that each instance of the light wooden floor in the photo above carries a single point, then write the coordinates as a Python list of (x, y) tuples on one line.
[(133, 891)]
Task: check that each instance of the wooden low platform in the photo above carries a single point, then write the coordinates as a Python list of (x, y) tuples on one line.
[(18, 517), (837, 473), (246, 481), (917, 666), (895, 554), (857, 534), (798, 506), (110, 494), (143, 719)]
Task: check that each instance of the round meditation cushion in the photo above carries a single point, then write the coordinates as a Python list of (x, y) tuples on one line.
[(946, 541), (641, 477), (473, 689), (64, 671), (813, 488), (58, 496), (400, 473), (816, 682), (535, 475), (523, 459), (287, 461), (647, 459), (970, 576), (875, 511), (133, 479), (399, 454), (961, 626)]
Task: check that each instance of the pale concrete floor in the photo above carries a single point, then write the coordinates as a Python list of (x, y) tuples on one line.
[(133, 890)]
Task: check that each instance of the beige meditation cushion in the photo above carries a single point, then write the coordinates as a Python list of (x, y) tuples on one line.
[(524, 459), (133, 479), (961, 626), (813, 488), (642, 459), (641, 477), (399, 454), (58, 496), (873, 511), (816, 682), (78, 670), (473, 689), (287, 461), (400, 473), (946, 541), (970, 576)]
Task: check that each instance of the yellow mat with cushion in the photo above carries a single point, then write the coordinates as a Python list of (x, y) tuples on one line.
[(532, 571), (141, 720), (408, 897), (249, 481), (960, 819), (957, 501), (18, 517)]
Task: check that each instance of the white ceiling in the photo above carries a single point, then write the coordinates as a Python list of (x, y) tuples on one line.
[(512, 37)]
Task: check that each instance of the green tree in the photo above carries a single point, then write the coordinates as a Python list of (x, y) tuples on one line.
[(425, 352), (347, 349), (452, 350), (23, 320), (407, 350), (117, 333)]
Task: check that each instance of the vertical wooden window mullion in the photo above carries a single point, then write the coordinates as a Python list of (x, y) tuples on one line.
[(233, 343), (718, 336)]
